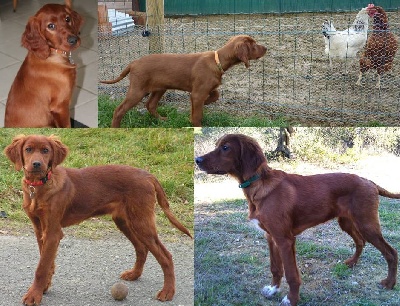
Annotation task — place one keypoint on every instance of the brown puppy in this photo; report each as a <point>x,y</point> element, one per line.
<point>283,205</point>
<point>56,197</point>
<point>198,73</point>
<point>41,93</point>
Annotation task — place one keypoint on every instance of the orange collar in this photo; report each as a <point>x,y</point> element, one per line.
<point>218,62</point>
<point>64,53</point>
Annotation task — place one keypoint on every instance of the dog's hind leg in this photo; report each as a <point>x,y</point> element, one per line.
<point>370,230</point>
<point>140,249</point>
<point>347,225</point>
<point>152,103</point>
<point>133,97</point>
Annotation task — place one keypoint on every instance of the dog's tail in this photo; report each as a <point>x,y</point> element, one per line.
<point>163,202</point>
<point>383,192</point>
<point>123,74</point>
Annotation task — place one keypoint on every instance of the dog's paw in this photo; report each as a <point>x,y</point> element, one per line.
<point>270,291</point>
<point>285,302</point>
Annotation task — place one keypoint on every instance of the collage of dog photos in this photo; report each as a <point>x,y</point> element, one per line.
<point>199,152</point>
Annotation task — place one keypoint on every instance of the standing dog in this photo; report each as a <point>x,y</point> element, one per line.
<point>198,73</point>
<point>40,95</point>
<point>283,205</point>
<point>57,197</point>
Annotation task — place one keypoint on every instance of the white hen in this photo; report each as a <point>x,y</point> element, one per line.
<point>345,44</point>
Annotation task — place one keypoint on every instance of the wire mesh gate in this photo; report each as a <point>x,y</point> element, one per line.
<point>293,80</point>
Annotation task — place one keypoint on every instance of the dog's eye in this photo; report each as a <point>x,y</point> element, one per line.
<point>28,149</point>
<point>225,148</point>
<point>45,151</point>
<point>68,19</point>
<point>51,26</point>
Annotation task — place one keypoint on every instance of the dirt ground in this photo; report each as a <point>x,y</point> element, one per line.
<point>86,270</point>
<point>293,80</point>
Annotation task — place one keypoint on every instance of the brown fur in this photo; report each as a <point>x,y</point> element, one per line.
<point>381,46</point>
<point>196,73</point>
<point>40,95</point>
<point>73,195</point>
<point>286,204</point>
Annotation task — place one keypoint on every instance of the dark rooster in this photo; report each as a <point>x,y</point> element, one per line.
<point>381,46</point>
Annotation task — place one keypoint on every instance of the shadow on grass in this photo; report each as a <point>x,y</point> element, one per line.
<point>232,261</point>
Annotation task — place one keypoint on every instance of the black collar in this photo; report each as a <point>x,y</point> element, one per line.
<point>247,183</point>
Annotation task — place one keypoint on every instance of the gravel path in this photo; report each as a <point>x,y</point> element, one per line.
<point>86,270</point>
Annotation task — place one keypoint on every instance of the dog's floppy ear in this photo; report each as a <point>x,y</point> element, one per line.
<point>242,53</point>
<point>60,151</point>
<point>33,39</point>
<point>14,151</point>
<point>76,19</point>
<point>251,156</point>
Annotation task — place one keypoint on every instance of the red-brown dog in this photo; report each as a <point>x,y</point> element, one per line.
<point>57,197</point>
<point>40,95</point>
<point>197,73</point>
<point>283,205</point>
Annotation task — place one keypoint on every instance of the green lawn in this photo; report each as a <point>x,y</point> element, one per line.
<point>166,153</point>
<point>135,118</point>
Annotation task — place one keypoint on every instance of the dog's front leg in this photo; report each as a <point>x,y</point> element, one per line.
<point>276,266</point>
<point>45,268</point>
<point>213,97</point>
<point>287,250</point>
<point>197,100</point>
<point>61,115</point>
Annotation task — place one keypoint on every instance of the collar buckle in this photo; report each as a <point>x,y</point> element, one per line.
<point>247,183</point>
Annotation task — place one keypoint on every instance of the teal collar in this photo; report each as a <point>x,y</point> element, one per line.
<point>247,183</point>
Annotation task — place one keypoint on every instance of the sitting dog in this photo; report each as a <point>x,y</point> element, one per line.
<point>40,95</point>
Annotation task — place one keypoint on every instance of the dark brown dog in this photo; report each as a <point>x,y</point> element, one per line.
<point>56,197</point>
<point>283,205</point>
<point>40,95</point>
<point>198,73</point>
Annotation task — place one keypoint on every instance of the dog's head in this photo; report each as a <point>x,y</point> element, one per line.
<point>235,154</point>
<point>246,49</point>
<point>36,154</point>
<point>53,26</point>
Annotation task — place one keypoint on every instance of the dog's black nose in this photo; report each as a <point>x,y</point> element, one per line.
<point>36,164</point>
<point>72,40</point>
<point>199,160</point>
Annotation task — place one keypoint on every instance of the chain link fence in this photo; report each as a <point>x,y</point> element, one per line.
<point>293,80</point>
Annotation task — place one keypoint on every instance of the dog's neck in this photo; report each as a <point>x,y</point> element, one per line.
<point>217,61</point>
<point>67,55</point>
<point>35,183</point>
<point>39,182</point>
<point>248,182</point>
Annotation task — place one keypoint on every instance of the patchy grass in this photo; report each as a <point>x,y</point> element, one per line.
<point>154,150</point>
<point>142,118</point>
<point>232,260</point>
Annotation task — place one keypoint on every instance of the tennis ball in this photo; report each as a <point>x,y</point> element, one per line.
<point>119,291</point>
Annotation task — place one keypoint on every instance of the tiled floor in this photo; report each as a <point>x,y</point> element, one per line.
<point>12,25</point>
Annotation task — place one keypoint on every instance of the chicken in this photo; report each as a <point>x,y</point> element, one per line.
<point>381,46</point>
<point>345,44</point>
